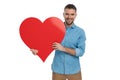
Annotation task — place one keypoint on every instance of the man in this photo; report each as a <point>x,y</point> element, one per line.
<point>66,63</point>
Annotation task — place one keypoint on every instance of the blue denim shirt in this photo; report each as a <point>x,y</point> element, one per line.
<point>64,63</point>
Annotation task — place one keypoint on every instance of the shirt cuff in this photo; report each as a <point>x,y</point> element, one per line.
<point>77,50</point>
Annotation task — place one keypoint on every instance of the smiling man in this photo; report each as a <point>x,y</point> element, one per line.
<point>66,63</point>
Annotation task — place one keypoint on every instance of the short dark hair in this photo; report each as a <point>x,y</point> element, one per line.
<point>70,6</point>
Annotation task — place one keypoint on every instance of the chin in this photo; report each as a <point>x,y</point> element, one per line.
<point>69,23</point>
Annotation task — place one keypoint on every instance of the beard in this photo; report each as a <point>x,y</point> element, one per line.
<point>68,23</point>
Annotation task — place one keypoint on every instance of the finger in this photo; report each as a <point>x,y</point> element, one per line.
<point>55,47</point>
<point>55,43</point>
<point>33,53</point>
<point>36,51</point>
<point>32,49</point>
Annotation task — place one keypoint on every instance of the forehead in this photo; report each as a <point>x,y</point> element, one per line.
<point>67,10</point>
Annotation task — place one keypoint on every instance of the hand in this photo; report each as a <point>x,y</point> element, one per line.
<point>34,51</point>
<point>58,46</point>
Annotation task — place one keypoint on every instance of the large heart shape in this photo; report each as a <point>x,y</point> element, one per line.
<point>41,36</point>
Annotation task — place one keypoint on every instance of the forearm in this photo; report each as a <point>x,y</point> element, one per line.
<point>58,46</point>
<point>69,51</point>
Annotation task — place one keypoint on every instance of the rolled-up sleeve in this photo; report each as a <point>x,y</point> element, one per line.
<point>80,49</point>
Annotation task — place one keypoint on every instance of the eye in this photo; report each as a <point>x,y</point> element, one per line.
<point>66,14</point>
<point>72,14</point>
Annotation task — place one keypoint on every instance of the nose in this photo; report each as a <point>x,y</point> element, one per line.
<point>69,16</point>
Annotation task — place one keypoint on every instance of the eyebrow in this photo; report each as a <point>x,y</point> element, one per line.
<point>70,14</point>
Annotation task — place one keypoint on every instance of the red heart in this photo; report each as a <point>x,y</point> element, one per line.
<point>41,36</point>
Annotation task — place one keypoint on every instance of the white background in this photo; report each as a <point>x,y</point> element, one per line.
<point>99,18</point>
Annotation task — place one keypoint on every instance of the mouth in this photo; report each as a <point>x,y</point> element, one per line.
<point>69,21</point>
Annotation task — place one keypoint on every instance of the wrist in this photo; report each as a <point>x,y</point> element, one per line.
<point>64,49</point>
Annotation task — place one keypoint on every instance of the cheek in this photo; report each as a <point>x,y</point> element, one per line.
<point>65,16</point>
<point>73,16</point>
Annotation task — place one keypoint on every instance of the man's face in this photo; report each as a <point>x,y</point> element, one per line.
<point>69,15</point>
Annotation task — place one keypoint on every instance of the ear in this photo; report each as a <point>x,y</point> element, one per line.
<point>63,14</point>
<point>75,15</point>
